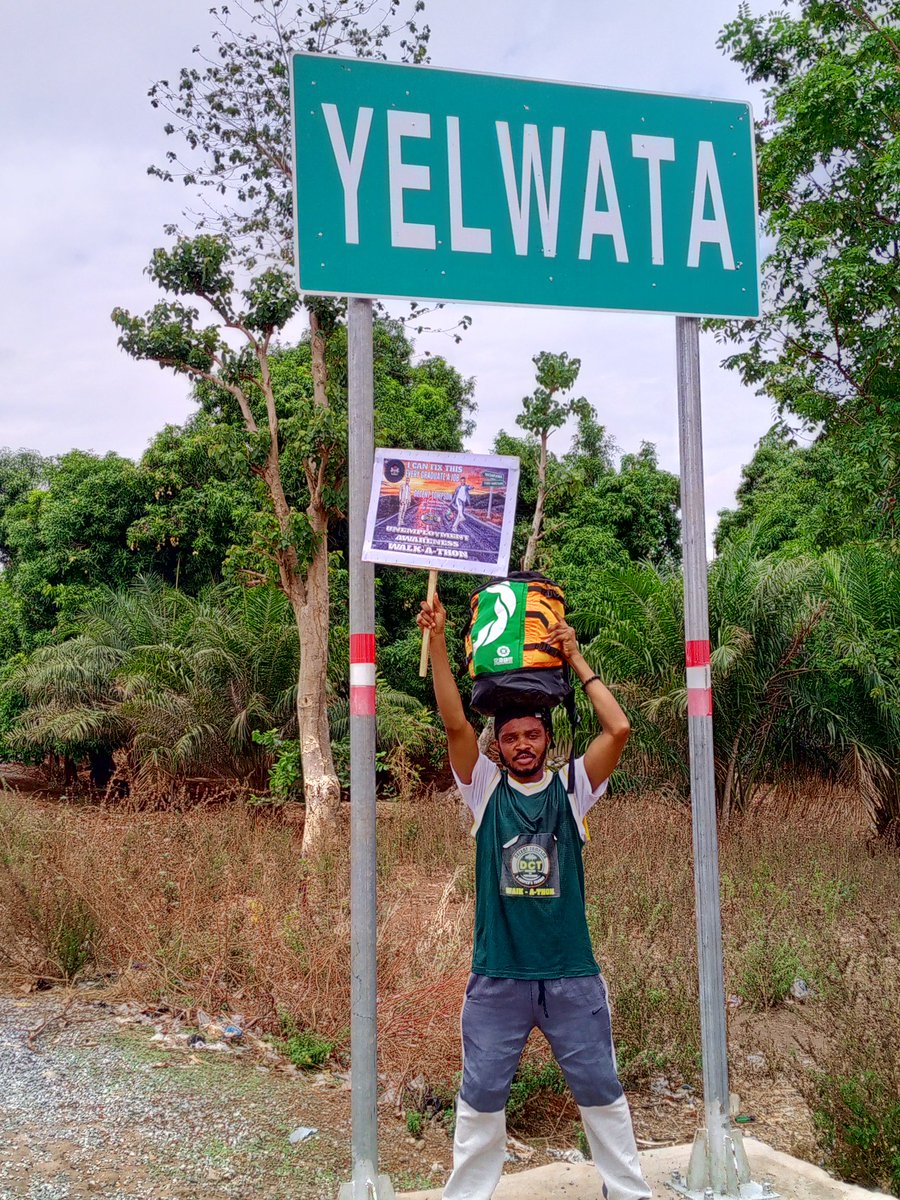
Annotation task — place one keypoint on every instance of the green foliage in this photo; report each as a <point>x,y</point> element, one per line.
<point>96,523</point>
<point>543,411</point>
<point>21,472</point>
<point>286,772</point>
<point>859,650</point>
<point>591,454</point>
<point>827,350</point>
<point>201,502</point>
<point>398,595</point>
<point>182,682</point>
<point>768,964</point>
<point>303,1047</point>
<point>529,1080</point>
<point>66,541</point>
<point>626,515</point>
<point>794,498</point>
<point>414,1123</point>
<point>595,515</point>
<point>407,740</point>
<point>12,703</point>
<point>857,1120</point>
<point>804,660</point>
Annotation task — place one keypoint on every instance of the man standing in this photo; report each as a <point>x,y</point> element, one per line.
<point>460,500</point>
<point>405,500</point>
<point>532,963</point>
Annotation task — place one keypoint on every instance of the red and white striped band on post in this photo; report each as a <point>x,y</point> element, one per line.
<point>699,681</point>
<point>362,674</point>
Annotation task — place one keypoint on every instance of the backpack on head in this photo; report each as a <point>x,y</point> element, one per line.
<point>509,660</point>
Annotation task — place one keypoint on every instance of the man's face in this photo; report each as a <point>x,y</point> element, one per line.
<point>523,745</point>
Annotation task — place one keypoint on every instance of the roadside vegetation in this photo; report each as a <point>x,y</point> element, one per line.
<point>209,908</point>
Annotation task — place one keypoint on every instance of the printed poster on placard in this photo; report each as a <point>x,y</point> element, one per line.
<point>438,511</point>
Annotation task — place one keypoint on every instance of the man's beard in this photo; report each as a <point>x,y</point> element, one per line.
<point>515,771</point>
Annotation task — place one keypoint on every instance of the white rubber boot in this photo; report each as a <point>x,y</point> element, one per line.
<point>611,1138</point>
<point>479,1146</point>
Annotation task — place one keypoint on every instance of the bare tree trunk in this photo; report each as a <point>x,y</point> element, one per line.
<point>486,736</point>
<point>729,781</point>
<point>535,535</point>
<point>317,346</point>
<point>321,789</point>
<point>309,600</point>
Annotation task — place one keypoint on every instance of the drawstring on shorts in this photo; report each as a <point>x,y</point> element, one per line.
<point>542,997</point>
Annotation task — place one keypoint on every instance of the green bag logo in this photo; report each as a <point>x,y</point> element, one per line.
<point>503,619</point>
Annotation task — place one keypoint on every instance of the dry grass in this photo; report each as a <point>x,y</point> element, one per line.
<point>213,907</point>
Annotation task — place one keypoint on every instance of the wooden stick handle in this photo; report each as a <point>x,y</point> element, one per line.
<point>426,633</point>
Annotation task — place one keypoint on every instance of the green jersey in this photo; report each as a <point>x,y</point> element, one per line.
<point>529,886</point>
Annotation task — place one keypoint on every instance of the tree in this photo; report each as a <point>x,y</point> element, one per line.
<point>232,111</point>
<point>827,349</point>
<point>179,682</point>
<point>590,457</point>
<point>201,502</point>
<point>804,654</point>
<point>796,497</point>
<point>542,412</point>
<point>861,647</point>
<point>638,505</point>
<point>66,539</point>
<point>629,514</point>
<point>172,335</point>
<point>266,429</point>
<point>21,471</point>
<point>233,114</point>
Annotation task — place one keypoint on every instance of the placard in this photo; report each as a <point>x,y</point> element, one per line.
<point>442,512</point>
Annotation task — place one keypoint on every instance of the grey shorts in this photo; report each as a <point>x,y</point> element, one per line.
<point>573,1015</point>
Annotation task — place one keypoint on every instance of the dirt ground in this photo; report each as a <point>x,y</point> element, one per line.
<point>102,1098</point>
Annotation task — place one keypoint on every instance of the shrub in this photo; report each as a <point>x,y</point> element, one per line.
<point>853,1090</point>
<point>285,774</point>
<point>530,1079</point>
<point>71,940</point>
<point>857,1118</point>
<point>303,1047</point>
<point>768,965</point>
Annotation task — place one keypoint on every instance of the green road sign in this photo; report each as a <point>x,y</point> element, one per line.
<point>428,184</point>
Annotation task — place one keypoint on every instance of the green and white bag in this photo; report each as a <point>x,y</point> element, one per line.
<point>508,657</point>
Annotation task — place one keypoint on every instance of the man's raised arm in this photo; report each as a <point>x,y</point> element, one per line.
<point>462,744</point>
<point>602,756</point>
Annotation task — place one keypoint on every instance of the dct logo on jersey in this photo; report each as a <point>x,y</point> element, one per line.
<point>530,865</point>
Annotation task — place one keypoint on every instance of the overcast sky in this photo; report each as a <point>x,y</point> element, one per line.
<point>81,216</point>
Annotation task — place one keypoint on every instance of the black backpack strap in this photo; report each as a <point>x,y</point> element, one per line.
<point>574,721</point>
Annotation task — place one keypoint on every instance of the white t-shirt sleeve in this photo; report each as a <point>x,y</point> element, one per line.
<point>584,797</point>
<point>477,793</point>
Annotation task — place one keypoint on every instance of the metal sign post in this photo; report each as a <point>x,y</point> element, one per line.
<point>366,1183</point>
<point>718,1161</point>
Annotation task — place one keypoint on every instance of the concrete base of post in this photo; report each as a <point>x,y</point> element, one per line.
<point>366,1186</point>
<point>719,1170</point>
